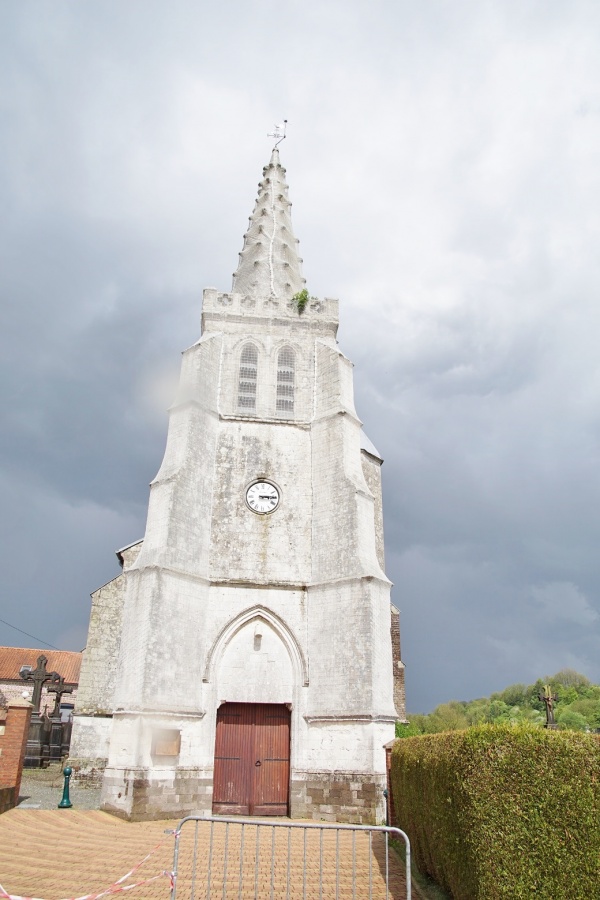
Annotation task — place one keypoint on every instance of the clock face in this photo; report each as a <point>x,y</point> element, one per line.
<point>262,497</point>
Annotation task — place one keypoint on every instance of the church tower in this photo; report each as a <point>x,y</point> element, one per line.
<point>252,625</point>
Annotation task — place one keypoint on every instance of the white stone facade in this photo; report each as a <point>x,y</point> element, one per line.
<point>225,605</point>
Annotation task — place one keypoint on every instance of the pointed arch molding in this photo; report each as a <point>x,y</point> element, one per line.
<point>280,628</point>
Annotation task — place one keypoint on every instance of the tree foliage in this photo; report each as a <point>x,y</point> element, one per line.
<point>577,707</point>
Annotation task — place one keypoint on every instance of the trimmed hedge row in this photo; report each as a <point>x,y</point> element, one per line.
<point>499,811</point>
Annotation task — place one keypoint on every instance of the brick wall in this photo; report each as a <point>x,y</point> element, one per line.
<point>14,726</point>
<point>13,690</point>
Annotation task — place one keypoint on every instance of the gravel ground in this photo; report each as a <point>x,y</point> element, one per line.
<point>43,789</point>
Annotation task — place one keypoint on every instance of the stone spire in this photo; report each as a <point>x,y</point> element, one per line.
<point>269,264</point>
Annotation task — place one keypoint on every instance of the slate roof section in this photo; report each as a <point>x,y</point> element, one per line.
<point>124,549</point>
<point>66,662</point>
<point>369,447</point>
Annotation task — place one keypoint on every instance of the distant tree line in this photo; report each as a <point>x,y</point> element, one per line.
<point>577,707</point>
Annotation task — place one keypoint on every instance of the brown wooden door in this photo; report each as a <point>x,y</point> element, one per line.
<point>272,751</point>
<point>252,759</point>
<point>233,748</point>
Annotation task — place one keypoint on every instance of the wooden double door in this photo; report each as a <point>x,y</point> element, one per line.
<point>252,759</point>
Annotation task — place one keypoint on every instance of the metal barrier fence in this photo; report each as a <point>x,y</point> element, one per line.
<point>250,858</point>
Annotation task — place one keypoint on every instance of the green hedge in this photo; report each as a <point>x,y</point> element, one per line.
<point>502,811</point>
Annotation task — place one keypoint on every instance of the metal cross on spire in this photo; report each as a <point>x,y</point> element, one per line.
<point>279,133</point>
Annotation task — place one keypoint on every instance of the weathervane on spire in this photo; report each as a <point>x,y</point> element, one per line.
<point>279,133</point>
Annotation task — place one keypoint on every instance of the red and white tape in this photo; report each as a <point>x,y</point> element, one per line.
<point>113,889</point>
<point>117,887</point>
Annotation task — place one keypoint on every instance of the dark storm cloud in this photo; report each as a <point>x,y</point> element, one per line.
<point>442,162</point>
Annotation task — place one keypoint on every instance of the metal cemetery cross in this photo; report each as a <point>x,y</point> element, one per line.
<point>59,688</point>
<point>39,676</point>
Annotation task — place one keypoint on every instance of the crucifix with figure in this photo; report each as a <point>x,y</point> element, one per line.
<point>549,699</point>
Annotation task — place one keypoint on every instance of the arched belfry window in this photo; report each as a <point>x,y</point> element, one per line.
<point>247,379</point>
<point>286,374</point>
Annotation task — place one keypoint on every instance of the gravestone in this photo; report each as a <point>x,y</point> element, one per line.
<point>37,752</point>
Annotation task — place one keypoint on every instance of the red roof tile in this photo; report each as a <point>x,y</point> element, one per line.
<point>66,662</point>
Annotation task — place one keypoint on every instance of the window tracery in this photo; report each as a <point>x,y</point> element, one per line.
<point>286,377</point>
<point>247,379</point>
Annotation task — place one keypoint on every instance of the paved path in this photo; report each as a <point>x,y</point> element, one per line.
<point>62,853</point>
<point>43,788</point>
<point>55,854</point>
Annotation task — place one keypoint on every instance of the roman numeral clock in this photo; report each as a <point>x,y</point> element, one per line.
<point>262,497</point>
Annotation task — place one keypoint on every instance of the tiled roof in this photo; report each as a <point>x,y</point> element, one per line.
<point>66,662</point>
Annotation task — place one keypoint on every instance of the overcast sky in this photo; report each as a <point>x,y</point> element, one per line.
<point>444,165</point>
